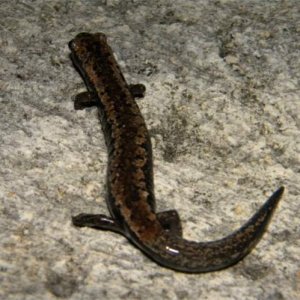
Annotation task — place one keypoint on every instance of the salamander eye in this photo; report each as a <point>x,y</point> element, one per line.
<point>101,37</point>
<point>72,45</point>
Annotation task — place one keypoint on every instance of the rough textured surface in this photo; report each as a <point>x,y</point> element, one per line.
<point>222,106</point>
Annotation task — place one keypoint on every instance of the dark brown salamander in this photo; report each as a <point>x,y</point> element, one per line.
<point>130,196</point>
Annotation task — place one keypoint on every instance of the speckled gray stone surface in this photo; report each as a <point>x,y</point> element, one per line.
<point>222,107</point>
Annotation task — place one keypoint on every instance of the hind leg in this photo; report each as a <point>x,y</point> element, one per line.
<point>170,221</point>
<point>100,222</point>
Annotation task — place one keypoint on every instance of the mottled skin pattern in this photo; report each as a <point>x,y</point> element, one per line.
<point>129,174</point>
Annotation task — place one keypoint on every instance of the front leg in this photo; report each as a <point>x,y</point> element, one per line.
<point>84,100</point>
<point>89,99</point>
<point>137,90</point>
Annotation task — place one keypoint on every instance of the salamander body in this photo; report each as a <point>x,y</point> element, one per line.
<point>130,195</point>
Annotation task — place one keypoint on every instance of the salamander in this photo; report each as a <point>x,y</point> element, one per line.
<point>130,189</point>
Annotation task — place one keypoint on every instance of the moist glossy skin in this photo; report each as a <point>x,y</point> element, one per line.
<point>130,195</point>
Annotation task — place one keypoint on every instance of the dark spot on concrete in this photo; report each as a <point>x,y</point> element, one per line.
<point>60,285</point>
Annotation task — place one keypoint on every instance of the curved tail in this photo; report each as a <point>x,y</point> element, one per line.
<point>192,257</point>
